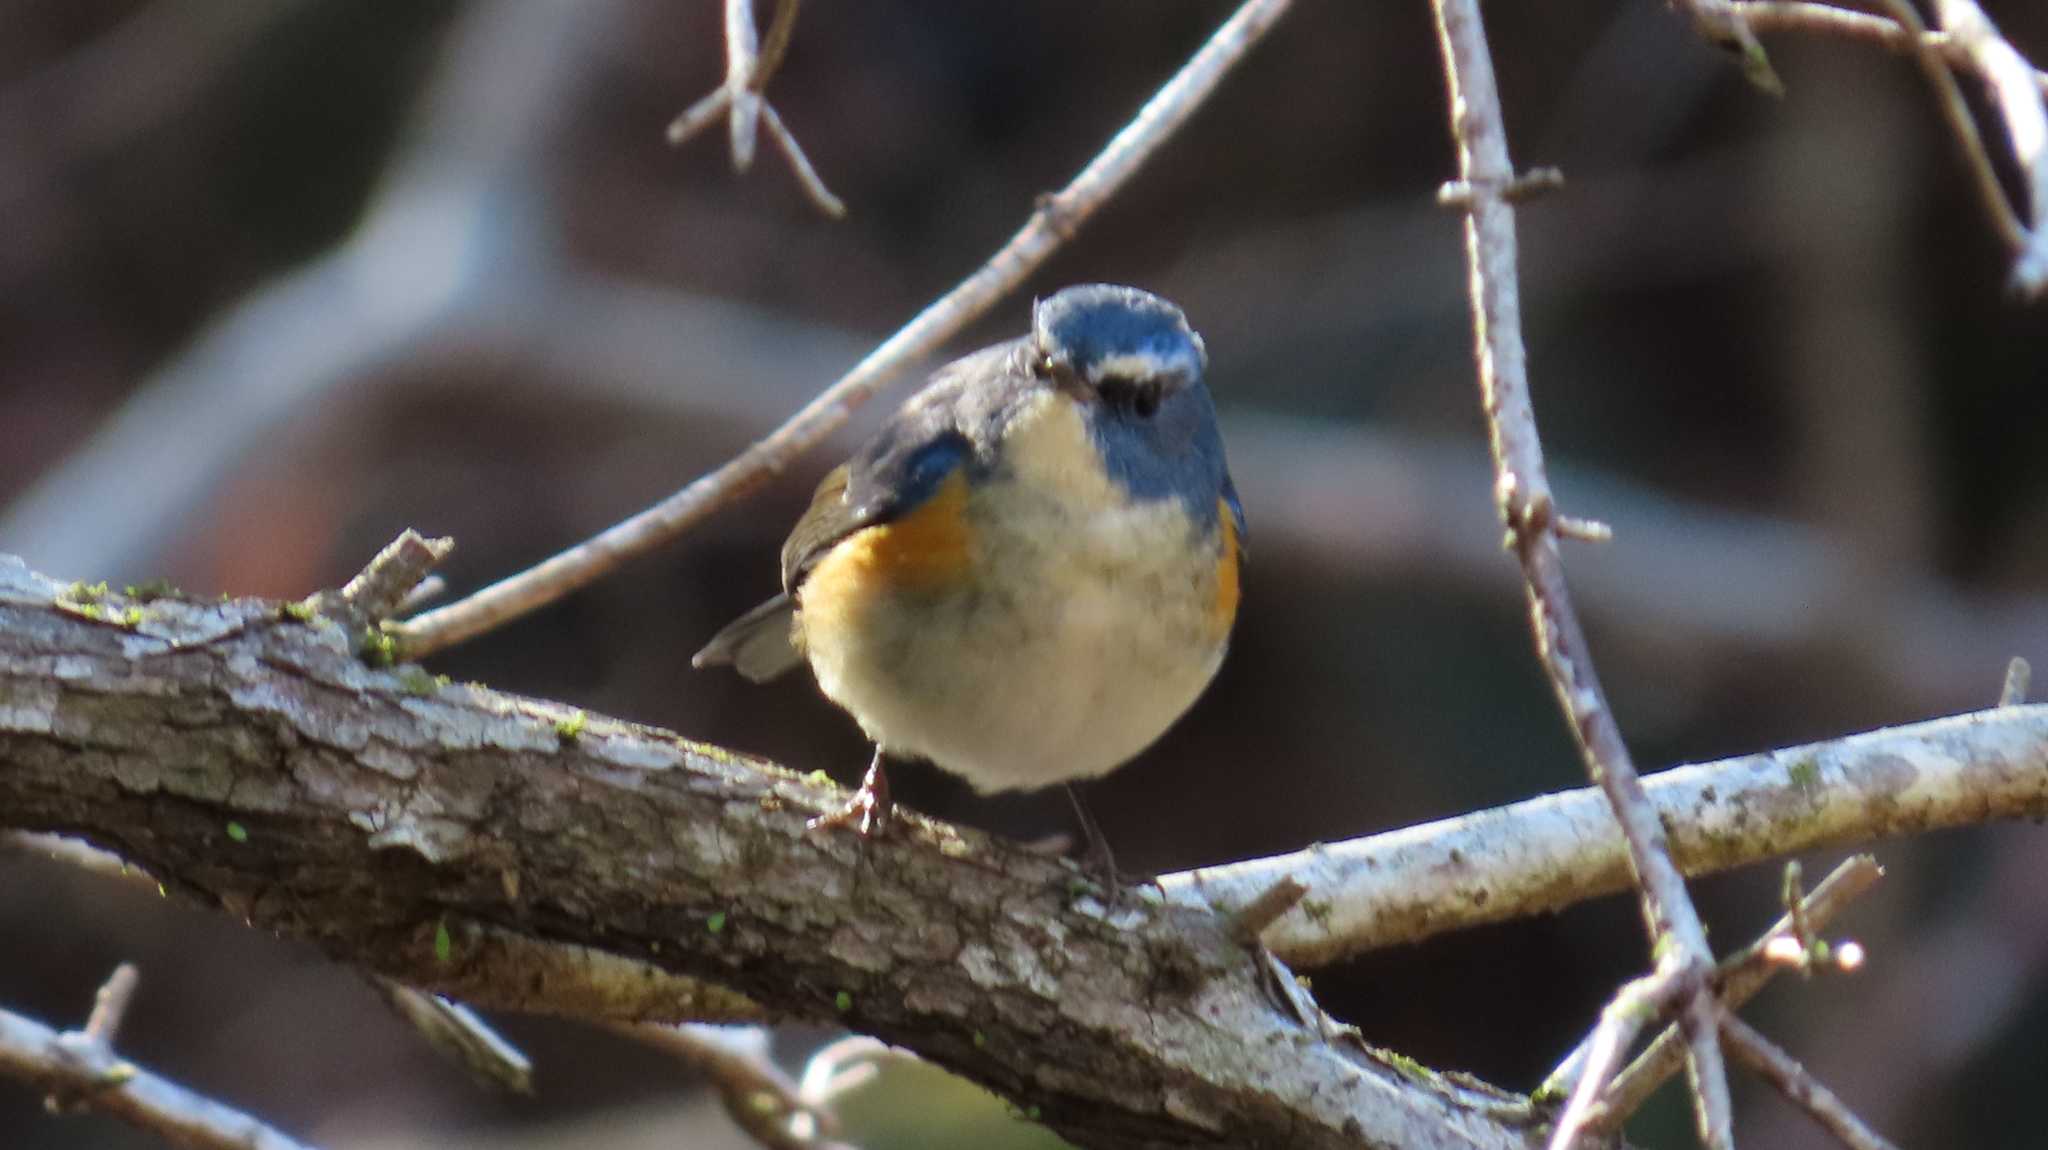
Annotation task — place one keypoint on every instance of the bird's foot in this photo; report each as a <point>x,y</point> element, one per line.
<point>1101,864</point>
<point>870,810</point>
<point>1101,861</point>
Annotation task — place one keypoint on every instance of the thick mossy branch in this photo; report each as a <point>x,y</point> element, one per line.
<point>453,838</point>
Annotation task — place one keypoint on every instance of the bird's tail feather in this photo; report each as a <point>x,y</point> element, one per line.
<point>760,644</point>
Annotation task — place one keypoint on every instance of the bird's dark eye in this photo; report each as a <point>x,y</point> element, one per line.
<point>1057,371</point>
<point>1126,394</point>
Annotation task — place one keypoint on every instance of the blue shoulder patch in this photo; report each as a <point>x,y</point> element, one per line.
<point>923,469</point>
<point>891,477</point>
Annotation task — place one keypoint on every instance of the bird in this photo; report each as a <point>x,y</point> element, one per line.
<point>1031,570</point>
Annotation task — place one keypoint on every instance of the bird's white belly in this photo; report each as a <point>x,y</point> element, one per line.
<point>1080,642</point>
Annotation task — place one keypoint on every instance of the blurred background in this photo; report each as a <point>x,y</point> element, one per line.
<point>279,279</point>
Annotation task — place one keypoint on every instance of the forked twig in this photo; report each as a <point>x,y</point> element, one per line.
<point>2018,98</point>
<point>750,61</point>
<point>1956,110</point>
<point>80,1070</point>
<point>1738,980</point>
<point>1968,41</point>
<point>1807,16</point>
<point>761,1100</point>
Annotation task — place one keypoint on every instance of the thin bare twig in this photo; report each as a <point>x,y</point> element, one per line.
<point>813,184</point>
<point>1598,1057</point>
<point>1647,999</point>
<point>2019,675</point>
<point>2017,96</point>
<point>1969,41</point>
<point>1738,980</point>
<point>1530,185</point>
<point>1794,896</point>
<point>110,1004</point>
<point>776,43</point>
<point>1252,919</point>
<point>1055,221</point>
<point>390,578</point>
<point>1522,492</point>
<point>428,590</point>
<point>1727,28</point>
<point>1949,95</point>
<point>1827,20</point>
<point>80,1069</point>
<point>1792,1080</point>
<point>454,1030</point>
<point>742,59</point>
<point>844,1065</point>
<point>749,63</point>
<point>1585,530</point>
<point>700,115</point>
<point>840,1067</point>
<point>761,1100</point>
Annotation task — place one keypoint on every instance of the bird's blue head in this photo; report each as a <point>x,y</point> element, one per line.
<point>1135,366</point>
<point>1126,345</point>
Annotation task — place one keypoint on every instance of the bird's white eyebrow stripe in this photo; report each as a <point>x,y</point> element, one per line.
<point>1133,365</point>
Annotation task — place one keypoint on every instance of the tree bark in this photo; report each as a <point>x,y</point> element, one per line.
<point>520,855</point>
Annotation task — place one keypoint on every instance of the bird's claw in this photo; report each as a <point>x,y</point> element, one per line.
<point>869,812</point>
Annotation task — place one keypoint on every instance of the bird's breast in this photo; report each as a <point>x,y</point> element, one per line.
<point>1033,625</point>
